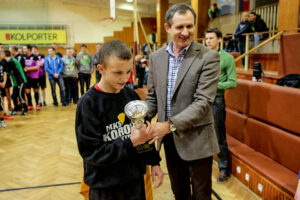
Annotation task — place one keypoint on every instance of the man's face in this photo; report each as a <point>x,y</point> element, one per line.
<point>51,52</point>
<point>182,29</point>
<point>34,51</point>
<point>26,50</point>
<point>116,73</point>
<point>69,52</point>
<point>83,49</point>
<point>1,47</point>
<point>98,47</point>
<point>252,17</point>
<point>212,41</point>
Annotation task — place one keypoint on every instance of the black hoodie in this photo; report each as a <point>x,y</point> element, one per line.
<point>103,132</point>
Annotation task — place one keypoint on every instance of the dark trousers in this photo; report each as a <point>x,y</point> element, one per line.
<point>241,45</point>
<point>84,79</point>
<point>219,118</point>
<point>61,85</point>
<point>71,85</point>
<point>141,81</point>
<point>19,94</point>
<point>130,191</point>
<point>184,173</point>
<point>98,76</point>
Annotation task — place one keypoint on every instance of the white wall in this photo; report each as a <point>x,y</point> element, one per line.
<point>82,20</point>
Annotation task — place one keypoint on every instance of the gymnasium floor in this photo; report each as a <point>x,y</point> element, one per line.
<point>39,160</point>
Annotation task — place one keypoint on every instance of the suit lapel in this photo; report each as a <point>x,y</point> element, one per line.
<point>163,74</point>
<point>186,64</point>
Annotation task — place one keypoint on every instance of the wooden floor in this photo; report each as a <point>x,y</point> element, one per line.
<point>40,150</point>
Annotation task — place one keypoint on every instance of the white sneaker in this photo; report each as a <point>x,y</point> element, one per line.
<point>3,124</point>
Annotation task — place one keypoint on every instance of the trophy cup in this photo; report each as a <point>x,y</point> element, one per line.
<point>137,111</point>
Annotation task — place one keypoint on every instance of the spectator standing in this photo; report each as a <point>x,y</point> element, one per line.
<point>243,27</point>
<point>70,76</point>
<point>257,25</point>
<point>86,68</point>
<point>95,62</point>
<point>54,67</point>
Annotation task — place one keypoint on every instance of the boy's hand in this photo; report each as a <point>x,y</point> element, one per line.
<point>2,85</point>
<point>140,136</point>
<point>55,75</point>
<point>157,172</point>
<point>25,69</point>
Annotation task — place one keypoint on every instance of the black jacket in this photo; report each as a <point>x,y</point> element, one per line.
<point>103,132</point>
<point>260,25</point>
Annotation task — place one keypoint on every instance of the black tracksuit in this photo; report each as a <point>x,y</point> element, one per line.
<point>110,160</point>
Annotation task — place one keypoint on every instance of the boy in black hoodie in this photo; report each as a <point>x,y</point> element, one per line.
<point>106,139</point>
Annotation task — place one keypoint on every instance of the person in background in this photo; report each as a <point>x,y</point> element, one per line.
<point>32,71</point>
<point>140,70</point>
<point>16,53</point>
<point>227,80</point>
<point>85,62</point>
<point>19,79</point>
<point>257,25</point>
<point>70,76</point>
<point>42,74</point>
<point>54,67</point>
<point>95,62</point>
<point>297,194</point>
<point>2,85</point>
<point>54,45</point>
<point>1,46</point>
<point>243,27</point>
<point>214,11</point>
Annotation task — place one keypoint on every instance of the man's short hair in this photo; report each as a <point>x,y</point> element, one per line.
<point>28,46</point>
<point>216,31</point>
<point>52,48</point>
<point>7,53</point>
<point>114,48</point>
<point>181,8</point>
<point>83,45</point>
<point>34,46</point>
<point>253,13</point>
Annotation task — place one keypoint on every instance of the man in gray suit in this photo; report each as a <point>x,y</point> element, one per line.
<point>183,78</point>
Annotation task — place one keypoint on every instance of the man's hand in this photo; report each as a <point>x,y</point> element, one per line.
<point>141,135</point>
<point>55,75</point>
<point>157,172</point>
<point>77,76</point>
<point>2,85</point>
<point>25,69</point>
<point>159,130</point>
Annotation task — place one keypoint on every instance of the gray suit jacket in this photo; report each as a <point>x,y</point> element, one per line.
<point>194,93</point>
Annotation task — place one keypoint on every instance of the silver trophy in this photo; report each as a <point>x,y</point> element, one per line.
<point>137,111</point>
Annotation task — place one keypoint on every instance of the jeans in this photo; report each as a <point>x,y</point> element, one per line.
<point>241,45</point>
<point>61,85</point>
<point>71,84</point>
<point>184,174</point>
<point>257,38</point>
<point>84,79</point>
<point>219,118</point>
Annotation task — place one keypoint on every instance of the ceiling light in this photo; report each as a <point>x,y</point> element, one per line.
<point>129,1</point>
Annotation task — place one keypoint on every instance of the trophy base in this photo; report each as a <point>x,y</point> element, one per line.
<point>142,148</point>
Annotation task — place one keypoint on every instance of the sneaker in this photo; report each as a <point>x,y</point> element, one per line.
<point>65,104</point>
<point>37,107</point>
<point>3,124</point>
<point>7,117</point>
<point>222,178</point>
<point>24,112</point>
<point>40,104</point>
<point>55,104</point>
<point>14,112</point>
<point>30,107</point>
<point>44,104</point>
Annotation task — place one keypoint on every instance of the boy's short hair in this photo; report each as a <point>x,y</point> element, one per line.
<point>83,45</point>
<point>34,46</point>
<point>216,31</point>
<point>114,48</point>
<point>252,13</point>
<point>7,53</point>
<point>52,48</point>
<point>15,48</point>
